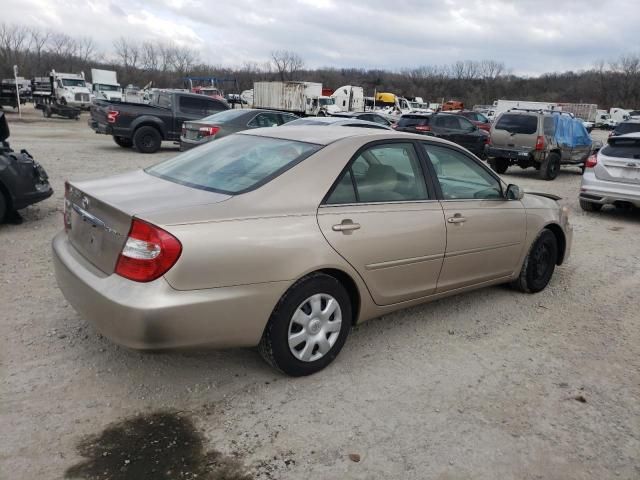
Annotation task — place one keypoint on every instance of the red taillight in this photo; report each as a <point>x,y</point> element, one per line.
<point>208,131</point>
<point>112,115</point>
<point>66,214</point>
<point>423,128</point>
<point>148,253</point>
<point>540,143</point>
<point>592,161</point>
<point>487,140</point>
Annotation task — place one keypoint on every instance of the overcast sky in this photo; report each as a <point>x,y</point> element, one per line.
<point>529,36</point>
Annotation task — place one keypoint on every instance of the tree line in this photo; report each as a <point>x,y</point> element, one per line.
<point>609,83</point>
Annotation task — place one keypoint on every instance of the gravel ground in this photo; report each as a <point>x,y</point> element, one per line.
<point>492,384</point>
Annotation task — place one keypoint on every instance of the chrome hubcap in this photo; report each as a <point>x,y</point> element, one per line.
<point>314,327</point>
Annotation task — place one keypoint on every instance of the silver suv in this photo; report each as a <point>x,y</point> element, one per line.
<point>540,139</point>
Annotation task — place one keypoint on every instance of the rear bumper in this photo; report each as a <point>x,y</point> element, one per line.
<point>186,144</point>
<point>99,127</point>
<point>41,191</point>
<point>154,315</point>
<point>607,193</point>
<point>514,155</point>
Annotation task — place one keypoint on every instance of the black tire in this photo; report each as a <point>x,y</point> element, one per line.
<point>274,345</point>
<point>48,111</point>
<point>147,139</point>
<point>539,264</point>
<point>498,165</point>
<point>3,207</point>
<point>550,167</point>
<point>123,142</point>
<point>588,206</point>
<point>63,101</point>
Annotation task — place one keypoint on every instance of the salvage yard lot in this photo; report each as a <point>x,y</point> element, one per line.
<point>491,384</point>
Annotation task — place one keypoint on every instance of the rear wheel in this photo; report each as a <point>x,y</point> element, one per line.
<point>539,264</point>
<point>147,139</point>
<point>308,327</point>
<point>123,142</point>
<point>499,165</point>
<point>588,206</point>
<point>550,167</point>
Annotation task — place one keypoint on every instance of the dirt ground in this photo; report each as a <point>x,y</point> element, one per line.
<point>492,384</point>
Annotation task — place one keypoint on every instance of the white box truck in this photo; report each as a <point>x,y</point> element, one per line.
<point>301,98</point>
<point>71,89</point>
<point>105,85</point>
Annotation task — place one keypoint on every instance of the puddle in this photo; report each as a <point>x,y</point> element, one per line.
<point>158,446</point>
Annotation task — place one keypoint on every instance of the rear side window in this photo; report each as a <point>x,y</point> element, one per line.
<point>622,148</point>
<point>549,126</point>
<point>234,164</point>
<point>382,173</point>
<point>627,128</point>
<point>513,123</point>
<point>412,121</point>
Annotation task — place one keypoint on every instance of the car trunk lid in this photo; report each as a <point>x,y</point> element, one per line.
<point>619,161</point>
<point>99,212</point>
<point>198,131</point>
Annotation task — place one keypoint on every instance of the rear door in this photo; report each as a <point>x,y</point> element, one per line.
<point>485,232</point>
<point>619,161</point>
<point>382,219</point>
<point>441,125</point>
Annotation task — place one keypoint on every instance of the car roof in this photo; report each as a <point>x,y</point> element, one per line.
<point>628,135</point>
<point>326,121</point>
<point>633,120</point>
<point>326,135</point>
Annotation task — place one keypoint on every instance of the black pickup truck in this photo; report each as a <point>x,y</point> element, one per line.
<point>145,126</point>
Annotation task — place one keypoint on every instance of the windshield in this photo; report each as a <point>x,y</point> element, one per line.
<point>513,123</point>
<point>107,88</point>
<point>72,82</point>
<point>327,101</point>
<point>225,116</point>
<point>234,164</point>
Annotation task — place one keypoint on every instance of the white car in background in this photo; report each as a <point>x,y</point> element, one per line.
<point>612,176</point>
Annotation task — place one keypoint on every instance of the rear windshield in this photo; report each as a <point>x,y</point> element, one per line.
<point>412,120</point>
<point>225,116</point>
<point>512,123</point>
<point>622,148</point>
<point>234,164</point>
<point>627,128</point>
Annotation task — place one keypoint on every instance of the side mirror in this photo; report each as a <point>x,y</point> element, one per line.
<point>514,192</point>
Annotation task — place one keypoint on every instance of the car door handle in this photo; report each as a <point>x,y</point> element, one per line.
<point>346,226</point>
<point>457,218</point>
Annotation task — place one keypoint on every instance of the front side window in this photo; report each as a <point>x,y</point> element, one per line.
<point>460,177</point>
<point>234,164</point>
<point>164,100</point>
<point>382,173</point>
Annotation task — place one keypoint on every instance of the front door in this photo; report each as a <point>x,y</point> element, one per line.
<point>485,232</point>
<point>381,218</point>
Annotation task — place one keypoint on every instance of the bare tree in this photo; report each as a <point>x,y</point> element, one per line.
<point>127,52</point>
<point>287,64</point>
<point>86,49</point>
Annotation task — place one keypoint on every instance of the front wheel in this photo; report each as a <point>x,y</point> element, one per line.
<point>308,327</point>
<point>539,264</point>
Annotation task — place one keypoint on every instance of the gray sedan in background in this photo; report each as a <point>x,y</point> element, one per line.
<point>612,176</point>
<point>225,123</point>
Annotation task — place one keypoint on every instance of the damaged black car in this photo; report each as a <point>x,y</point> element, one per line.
<point>23,181</point>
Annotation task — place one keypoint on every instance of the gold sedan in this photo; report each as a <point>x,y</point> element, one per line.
<point>285,238</point>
